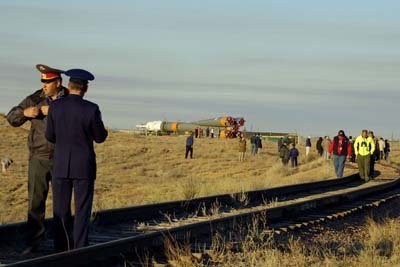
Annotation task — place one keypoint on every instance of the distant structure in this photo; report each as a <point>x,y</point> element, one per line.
<point>287,138</point>
<point>228,127</point>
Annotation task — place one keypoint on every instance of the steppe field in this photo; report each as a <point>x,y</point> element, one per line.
<point>135,169</point>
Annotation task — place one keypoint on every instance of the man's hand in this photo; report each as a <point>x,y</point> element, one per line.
<point>45,110</point>
<point>31,112</point>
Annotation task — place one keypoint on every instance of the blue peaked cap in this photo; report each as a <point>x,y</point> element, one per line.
<point>79,75</point>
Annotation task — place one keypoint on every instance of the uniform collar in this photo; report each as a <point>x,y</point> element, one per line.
<point>62,93</point>
<point>75,95</point>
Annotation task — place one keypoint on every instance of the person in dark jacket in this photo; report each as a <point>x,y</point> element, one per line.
<point>189,146</point>
<point>280,142</point>
<point>284,154</point>
<point>353,155</point>
<point>34,108</point>
<point>387,149</point>
<point>340,148</point>
<point>375,155</point>
<point>73,124</point>
<point>294,153</point>
<point>253,143</point>
<point>308,145</point>
<point>319,147</point>
<point>259,142</point>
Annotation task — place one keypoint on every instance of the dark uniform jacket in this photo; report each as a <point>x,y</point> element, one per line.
<point>73,124</point>
<point>284,152</point>
<point>39,147</point>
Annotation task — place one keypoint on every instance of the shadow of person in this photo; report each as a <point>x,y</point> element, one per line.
<point>375,174</point>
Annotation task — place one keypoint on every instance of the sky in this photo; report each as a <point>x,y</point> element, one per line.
<point>309,66</point>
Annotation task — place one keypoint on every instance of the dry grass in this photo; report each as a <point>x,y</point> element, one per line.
<point>380,247</point>
<point>134,169</point>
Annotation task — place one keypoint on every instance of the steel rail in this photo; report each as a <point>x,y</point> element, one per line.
<point>109,253</point>
<point>16,231</point>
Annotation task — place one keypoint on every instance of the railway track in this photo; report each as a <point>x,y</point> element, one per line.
<point>124,234</point>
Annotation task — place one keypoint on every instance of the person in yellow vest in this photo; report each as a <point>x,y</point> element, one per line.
<point>364,147</point>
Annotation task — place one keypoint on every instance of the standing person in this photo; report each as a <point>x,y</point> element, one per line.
<point>208,132</point>
<point>381,143</point>
<point>340,148</point>
<point>284,154</point>
<point>374,153</point>
<point>353,155</point>
<point>253,140</point>
<point>34,108</point>
<point>259,142</point>
<point>280,142</point>
<point>363,148</point>
<point>325,145</point>
<point>189,145</point>
<point>294,153</point>
<point>212,132</point>
<point>242,147</point>
<point>354,149</point>
<point>308,145</point>
<point>319,147</point>
<point>196,132</point>
<point>387,149</point>
<point>73,124</point>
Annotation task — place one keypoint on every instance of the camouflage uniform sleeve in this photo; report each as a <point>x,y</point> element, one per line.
<point>16,115</point>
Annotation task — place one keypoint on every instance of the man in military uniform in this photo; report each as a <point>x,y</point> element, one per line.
<point>73,124</point>
<point>34,108</point>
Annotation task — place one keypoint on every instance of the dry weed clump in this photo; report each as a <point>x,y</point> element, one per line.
<point>312,164</point>
<point>381,247</point>
<point>306,159</point>
<point>191,188</point>
<point>179,253</point>
<point>278,171</point>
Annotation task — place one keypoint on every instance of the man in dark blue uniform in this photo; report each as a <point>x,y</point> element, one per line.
<point>73,124</point>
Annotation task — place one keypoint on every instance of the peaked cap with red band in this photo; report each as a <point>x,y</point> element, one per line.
<point>48,73</point>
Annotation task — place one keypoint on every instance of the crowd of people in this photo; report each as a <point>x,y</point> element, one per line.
<point>208,132</point>
<point>366,149</point>
<point>255,143</point>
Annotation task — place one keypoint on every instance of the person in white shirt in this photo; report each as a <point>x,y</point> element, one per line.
<point>381,143</point>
